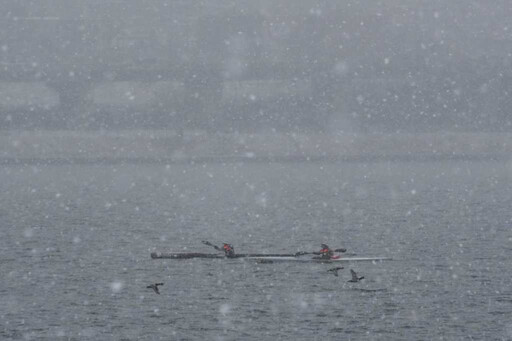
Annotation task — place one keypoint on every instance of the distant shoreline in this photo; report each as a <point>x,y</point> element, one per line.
<point>167,147</point>
<point>228,160</point>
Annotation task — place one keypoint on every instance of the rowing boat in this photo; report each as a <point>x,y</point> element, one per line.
<point>264,257</point>
<point>188,255</point>
<point>320,260</point>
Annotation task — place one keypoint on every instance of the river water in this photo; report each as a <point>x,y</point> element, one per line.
<point>76,241</point>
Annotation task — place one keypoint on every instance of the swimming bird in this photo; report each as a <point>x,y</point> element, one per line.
<point>335,270</point>
<point>155,287</point>
<point>354,277</point>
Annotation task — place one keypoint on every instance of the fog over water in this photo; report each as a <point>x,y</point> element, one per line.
<point>139,126</point>
<point>244,65</point>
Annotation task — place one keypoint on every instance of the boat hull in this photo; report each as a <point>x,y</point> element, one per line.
<point>188,255</point>
<point>267,258</point>
<point>319,260</point>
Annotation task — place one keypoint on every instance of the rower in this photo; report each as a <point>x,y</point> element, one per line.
<point>229,250</point>
<point>325,252</point>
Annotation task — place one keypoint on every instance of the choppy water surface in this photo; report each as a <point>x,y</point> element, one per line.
<point>75,245</point>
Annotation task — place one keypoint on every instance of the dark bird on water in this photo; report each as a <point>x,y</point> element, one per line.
<point>354,277</point>
<point>155,287</point>
<point>335,270</point>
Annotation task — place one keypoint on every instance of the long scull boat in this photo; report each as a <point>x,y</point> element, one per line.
<point>188,255</point>
<point>320,260</point>
<point>263,257</point>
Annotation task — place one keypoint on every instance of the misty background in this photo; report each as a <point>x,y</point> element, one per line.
<point>136,126</point>
<point>299,67</point>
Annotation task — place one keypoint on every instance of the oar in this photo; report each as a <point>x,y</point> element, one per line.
<point>205,242</point>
